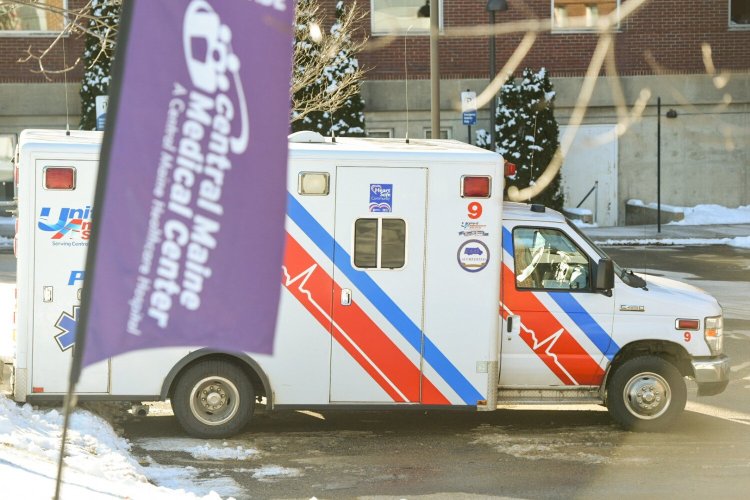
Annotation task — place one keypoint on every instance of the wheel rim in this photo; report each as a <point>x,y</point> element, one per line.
<point>214,400</point>
<point>647,395</point>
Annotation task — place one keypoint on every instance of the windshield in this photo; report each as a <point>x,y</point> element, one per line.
<point>625,275</point>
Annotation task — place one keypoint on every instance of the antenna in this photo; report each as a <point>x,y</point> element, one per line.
<point>406,83</point>
<point>65,86</point>
<point>333,133</point>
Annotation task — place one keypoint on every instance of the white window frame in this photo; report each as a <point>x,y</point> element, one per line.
<point>577,29</point>
<point>732,25</point>
<point>36,33</point>
<point>404,30</point>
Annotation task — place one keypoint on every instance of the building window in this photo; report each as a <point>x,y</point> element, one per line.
<point>380,133</point>
<point>45,17</point>
<point>739,13</point>
<point>400,16</point>
<point>580,14</point>
<point>380,243</point>
<point>445,133</point>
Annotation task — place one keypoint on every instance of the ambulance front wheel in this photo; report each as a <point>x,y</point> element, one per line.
<point>646,393</point>
<point>213,399</point>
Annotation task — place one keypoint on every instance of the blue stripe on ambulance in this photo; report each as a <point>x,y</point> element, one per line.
<point>507,241</point>
<point>586,323</point>
<point>382,302</point>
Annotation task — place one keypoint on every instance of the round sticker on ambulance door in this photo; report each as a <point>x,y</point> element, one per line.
<point>473,256</point>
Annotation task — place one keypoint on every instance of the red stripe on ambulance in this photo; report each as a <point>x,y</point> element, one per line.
<point>544,334</point>
<point>354,330</point>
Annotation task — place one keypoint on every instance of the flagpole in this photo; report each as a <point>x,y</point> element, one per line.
<point>68,405</point>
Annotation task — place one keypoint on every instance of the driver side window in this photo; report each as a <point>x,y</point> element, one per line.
<point>546,259</point>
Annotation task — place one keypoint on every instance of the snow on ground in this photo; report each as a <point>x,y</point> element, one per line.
<point>739,242</point>
<point>98,463</point>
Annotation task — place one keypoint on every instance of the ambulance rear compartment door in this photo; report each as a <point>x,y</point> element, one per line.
<point>62,232</point>
<point>378,296</point>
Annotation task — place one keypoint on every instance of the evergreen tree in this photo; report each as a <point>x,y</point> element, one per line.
<point>97,61</point>
<point>349,118</point>
<point>527,132</point>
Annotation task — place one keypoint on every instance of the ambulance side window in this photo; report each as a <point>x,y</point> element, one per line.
<point>546,259</point>
<point>379,243</point>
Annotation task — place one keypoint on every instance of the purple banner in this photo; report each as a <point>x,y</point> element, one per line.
<point>189,211</point>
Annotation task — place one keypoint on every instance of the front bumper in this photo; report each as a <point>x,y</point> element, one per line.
<point>711,374</point>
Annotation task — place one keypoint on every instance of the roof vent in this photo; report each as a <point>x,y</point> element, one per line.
<point>306,136</point>
<point>536,207</point>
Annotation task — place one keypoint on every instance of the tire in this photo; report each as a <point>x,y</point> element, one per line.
<point>213,399</point>
<point>646,393</point>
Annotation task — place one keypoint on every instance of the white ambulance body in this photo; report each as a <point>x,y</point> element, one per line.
<point>407,283</point>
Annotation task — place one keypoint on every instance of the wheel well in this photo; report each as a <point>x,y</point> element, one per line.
<point>256,376</point>
<point>674,353</point>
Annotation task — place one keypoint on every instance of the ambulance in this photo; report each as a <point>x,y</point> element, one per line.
<point>407,283</point>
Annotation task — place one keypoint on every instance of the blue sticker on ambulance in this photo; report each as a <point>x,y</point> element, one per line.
<point>381,197</point>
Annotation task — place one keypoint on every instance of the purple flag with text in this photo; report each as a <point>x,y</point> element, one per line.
<point>188,229</point>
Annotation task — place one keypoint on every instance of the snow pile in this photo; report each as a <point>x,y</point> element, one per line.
<point>701,215</point>
<point>739,242</point>
<point>714,214</point>
<point>274,471</point>
<point>97,462</point>
<point>654,206</point>
<point>206,451</point>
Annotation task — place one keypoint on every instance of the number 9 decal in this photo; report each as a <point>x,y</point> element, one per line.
<point>475,210</point>
<point>688,336</point>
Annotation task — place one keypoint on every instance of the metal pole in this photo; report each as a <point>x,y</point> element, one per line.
<point>435,68</point>
<point>658,164</point>
<point>493,107</point>
<point>596,200</point>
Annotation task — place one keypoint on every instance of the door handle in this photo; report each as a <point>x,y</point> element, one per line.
<point>512,326</point>
<point>346,297</point>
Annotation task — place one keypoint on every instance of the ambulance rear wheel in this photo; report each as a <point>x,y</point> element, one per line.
<point>213,399</point>
<point>646,393</point>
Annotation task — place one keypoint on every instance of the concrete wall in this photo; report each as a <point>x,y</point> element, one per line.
<point>38,105</point>
<point>705,150</point>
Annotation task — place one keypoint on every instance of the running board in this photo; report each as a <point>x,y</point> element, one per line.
<point>547,395</point>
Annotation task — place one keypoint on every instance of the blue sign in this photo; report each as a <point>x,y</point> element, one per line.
<point>470,117</point>
<point>381,197</point>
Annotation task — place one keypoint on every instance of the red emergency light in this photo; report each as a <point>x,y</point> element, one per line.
<point>688,324</point>
<point>60,178</point>
<point>475,186</point>
<point>510,169</point>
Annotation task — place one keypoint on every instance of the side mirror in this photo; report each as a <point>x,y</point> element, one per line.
<point>605,275</point>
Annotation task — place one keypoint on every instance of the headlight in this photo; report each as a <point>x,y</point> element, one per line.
<point>714,334</point>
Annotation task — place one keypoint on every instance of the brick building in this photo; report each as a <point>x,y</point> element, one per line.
<point>693,54</point>
<point>29,98</point>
